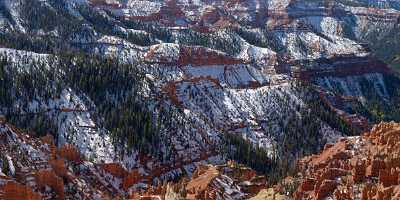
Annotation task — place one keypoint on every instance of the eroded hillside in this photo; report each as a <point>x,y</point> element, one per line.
<point>157,88</point>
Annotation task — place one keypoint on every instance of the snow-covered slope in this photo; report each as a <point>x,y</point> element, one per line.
<point>162,86</point>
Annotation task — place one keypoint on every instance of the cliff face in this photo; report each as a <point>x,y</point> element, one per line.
<point>363,167</point>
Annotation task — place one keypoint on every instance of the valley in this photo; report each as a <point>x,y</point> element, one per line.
<point>180,97</point>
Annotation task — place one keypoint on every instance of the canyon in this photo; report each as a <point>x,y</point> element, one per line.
<point>116,98</point>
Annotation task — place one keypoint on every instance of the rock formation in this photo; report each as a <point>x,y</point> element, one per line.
<point>15,191</point>
<point>347,169</point>
<point>230,181</point>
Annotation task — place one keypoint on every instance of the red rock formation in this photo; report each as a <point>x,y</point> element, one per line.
<point>359,171</point>
<point>189,55</point>
<point>199,56</point>
<point>211,16</point>
<point>203,178</point>
<point>48,139</point>
<point>115,169</point>
<point>70,153</point>
<point>49,178</point>
<point>352,161</point>
<point>170,90</point>
<point>332,173</point>
<point>374,168</point>
<point>342,70</point>
<point>327,187</point>
<point>343,194</point>
<point>59,167</point>
<point>132,178</point>
<point>207,182</point>
<point>388,177</point>
<point>336,152</point>
<point>45,167</point>
<point>308,184</point>
<point>15,191</point>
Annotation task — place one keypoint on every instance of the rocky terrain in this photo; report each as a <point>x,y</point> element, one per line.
<point>361,167</point>
<point>149,91</point>
<point>358,167</point>
<point>229,181</point>
<point>34,168</point>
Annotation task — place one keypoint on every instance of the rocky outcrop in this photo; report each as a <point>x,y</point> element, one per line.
<point>15,191</point>
<point>343,170</point>
<point>59,167</point>
<point>389,177</point>
<point>230,181</point>
<point>269,194</point>
<point>327,188</point>
<point>132,178</point>
<point>41,171</point>
<point>308,184</point>
<point>49,178</point>
<point>181,55</point>
<point>70,153</point>
<point>199,56</point>
<point>359,171</point>
<point>114,169</point>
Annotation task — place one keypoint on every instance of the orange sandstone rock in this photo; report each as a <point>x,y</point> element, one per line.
<point>327,187</point>
<point>308,184</point>
<point>359,171</point>
<point>343,194</point>
<point>70,153</point>
<point>15,191</point>
<point>115,169</point>
<point>49,178</point>
<point>132,178</point>
<point>59,167</point>
<point>388,177</point>
<point>374,168</point>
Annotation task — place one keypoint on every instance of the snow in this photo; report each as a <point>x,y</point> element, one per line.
<point>351,86</point>
<point>142,7</point>
<point>330,135</point>
<point>165,52</point>
<point>10,165</point>
<point>227,107</point>
<point>209,108</point>
<point>278,4</point>
<point>261,56</point>
<point>13,7</point>
<point>233,75</point>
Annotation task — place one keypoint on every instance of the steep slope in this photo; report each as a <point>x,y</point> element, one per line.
<point>34,168</point>
<point>357,167</point>
<point>156,87</point>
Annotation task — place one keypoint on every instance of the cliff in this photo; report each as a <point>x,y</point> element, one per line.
<point>363,166</point>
